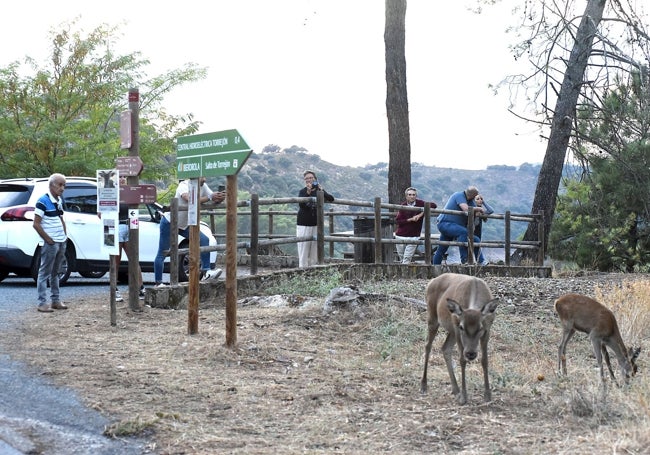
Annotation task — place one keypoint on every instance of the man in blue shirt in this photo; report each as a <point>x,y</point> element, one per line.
<point>454,226</point>
<point>49,223</point>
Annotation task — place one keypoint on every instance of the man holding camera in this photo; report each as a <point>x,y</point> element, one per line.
<point>308,220</point>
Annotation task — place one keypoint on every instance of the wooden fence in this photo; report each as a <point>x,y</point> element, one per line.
<point>377,211</point>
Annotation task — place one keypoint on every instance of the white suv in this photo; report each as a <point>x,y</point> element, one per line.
<point>20,244</point>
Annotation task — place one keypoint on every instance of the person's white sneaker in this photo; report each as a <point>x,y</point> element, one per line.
<point>118,297</point>
<point>211,274</point>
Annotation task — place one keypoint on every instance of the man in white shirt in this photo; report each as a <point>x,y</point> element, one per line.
<point>49,223</point>
<point>183,195</point>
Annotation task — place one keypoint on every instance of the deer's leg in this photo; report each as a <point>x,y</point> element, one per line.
<point>462,398</point>
<point>447,348</point>
<point>487,393</point>
<point>609,364</point>
<point>433,331</point>
<point>561,350</point>
<point>596,345</point>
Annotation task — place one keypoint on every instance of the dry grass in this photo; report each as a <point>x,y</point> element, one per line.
<point>630,302</point>
<point>347,382</point>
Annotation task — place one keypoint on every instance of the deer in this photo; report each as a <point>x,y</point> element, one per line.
<point>463,305</point>
<point>584,314</point>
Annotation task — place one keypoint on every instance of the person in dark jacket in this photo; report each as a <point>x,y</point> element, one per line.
<point>409,225</point>
<point>308,220</point>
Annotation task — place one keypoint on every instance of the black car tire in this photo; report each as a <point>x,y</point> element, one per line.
<point>183,267</point>
<point>93,274</point>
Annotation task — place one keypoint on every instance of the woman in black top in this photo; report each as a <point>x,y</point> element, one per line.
<point>308,219</point>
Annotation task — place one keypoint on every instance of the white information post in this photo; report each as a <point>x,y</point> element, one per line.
<point>192,204</point>
<point>108,205</point>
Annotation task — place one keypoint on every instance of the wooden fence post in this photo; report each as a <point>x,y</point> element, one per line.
<point>427,233</point>
<point>255,231</point>
<point>320,227</point>
<point>507,230</point>
<point>470,236</point>
<point>331,231</point>
<point>173,242</point>
<point>541,234</point>
<point>378,245</point>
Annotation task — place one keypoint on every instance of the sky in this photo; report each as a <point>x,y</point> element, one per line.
<point>311,73</point>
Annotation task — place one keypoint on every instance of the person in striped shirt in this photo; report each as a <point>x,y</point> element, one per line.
<point>49,223</point>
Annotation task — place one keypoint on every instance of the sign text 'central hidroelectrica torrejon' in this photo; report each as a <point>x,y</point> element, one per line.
<point>211,154</point>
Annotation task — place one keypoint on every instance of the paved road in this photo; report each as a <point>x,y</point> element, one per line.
<point>37,417</point>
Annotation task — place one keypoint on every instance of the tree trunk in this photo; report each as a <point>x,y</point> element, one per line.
<point>397,109</point>
<point>550,174</point>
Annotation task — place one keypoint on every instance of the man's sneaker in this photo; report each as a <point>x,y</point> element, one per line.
<point>159,285</point>
<point>211,274</point>
<point>485,263</point>
<point>118,297</point>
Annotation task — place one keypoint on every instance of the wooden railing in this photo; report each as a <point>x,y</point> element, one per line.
<point>378,211</point>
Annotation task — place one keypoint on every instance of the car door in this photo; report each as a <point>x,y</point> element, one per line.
<point>149,234</point>
<point>85,228</point>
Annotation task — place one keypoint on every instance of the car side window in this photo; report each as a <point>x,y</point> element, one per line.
<point>80,198</point>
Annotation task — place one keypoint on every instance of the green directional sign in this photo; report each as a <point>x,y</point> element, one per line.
<point>211,154</point>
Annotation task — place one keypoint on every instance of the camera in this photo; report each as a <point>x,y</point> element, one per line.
<point>221,188</point>
<point>314,184</point>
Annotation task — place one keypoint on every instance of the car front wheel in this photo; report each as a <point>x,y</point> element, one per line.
<point>184,267</point>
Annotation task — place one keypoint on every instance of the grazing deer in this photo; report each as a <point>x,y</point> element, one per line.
<point>464,306</point>
<point>582,313</point>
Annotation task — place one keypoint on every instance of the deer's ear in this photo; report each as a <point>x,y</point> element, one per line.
<point>454,307</point>
<point>490,307</point>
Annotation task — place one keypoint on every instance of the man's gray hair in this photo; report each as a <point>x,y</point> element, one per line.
<point>56,177</point>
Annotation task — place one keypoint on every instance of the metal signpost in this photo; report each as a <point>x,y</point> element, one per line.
<point>129,166</point>
<point>211,154</point>
<point>222,153</point>
<point>138,194</point>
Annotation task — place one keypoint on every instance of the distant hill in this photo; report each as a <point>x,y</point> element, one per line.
<point>279,174</point>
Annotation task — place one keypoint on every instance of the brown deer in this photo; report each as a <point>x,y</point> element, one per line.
<point>584,314</point>
<point>464,306</point>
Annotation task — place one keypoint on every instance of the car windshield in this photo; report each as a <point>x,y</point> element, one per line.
<point>11,195</point>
